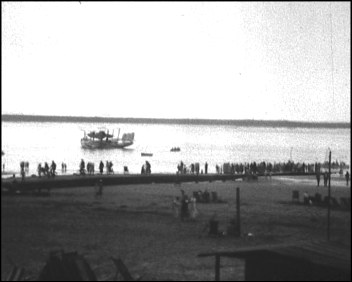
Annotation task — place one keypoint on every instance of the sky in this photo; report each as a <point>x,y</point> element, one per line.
<point>208,60</point>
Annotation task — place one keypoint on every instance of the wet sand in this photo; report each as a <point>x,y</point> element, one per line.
<point>136,223</point>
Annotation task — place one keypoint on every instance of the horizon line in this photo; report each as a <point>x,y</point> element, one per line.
<point>257,122</point>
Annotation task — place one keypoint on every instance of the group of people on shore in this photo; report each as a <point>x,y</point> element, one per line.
<point>326,178</point>
<point>280,167</point>
<point>193,168</point>
<point>265,168</point>
<point>90,168</point>
<point>46,170</point>
<point>63,167</point>
<point>181,209</point>
<point>24,169</point>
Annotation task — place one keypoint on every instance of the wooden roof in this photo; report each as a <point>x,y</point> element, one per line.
<point>331,254</point>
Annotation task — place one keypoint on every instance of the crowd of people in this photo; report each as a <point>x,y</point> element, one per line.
<point>46,170</point>
<point>193,168</point>
<point>90,168</point>
<point>253,168</point>
<point>257,168</point>
<point>276,167</point>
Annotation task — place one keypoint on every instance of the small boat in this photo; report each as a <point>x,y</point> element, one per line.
<point>146,154</point>
<point>103,140</point>
<point>175,149</point>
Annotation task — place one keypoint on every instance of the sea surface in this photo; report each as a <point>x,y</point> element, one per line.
<point>39,142</point>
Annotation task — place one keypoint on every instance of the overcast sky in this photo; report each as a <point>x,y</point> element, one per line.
<point>216,60</point>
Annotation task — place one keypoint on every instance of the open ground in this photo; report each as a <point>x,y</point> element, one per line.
<point>136,223</point>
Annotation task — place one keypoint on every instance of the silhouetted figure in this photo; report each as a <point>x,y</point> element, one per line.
<point>99,189</point>
<point>22,174</point>
<point>325,179</point>
<point>81,167</point>
<point>101,167</point>
<point>53,168</point>
<point>39,169</point>
<point>46,170</point>
<point>147,167</point>
<point>318,177</point>
<point>184,205</point>
<point>347,177</point>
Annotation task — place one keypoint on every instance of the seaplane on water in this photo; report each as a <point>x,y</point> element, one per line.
<point>101,139</point>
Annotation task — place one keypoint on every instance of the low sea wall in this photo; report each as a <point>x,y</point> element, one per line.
<point>36,183</point>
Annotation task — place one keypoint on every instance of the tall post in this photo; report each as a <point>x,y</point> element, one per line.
<point>329,195</point>
<point>217,268</point>
<point>238,217</point>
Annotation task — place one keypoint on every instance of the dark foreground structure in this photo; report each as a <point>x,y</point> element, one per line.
<point>13,185</point>
<point>309,261</point>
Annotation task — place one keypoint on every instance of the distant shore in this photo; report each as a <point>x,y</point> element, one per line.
<point>244,122</point>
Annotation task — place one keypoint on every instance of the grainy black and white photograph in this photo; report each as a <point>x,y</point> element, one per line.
<point>175,141</point>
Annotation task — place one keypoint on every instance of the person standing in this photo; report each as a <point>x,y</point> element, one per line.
<point>82,166</point>
<point>194,211</point>
<point>99,187</point>
<point>184,205</point>
<point>53,168</point>
<point>148,167</point>
<point>325,179</point>
<point>107,165</point>
<point>39,169</point>
<point>176,207</point>
<point>318,177</point>
<point>101,167</point>
<point>46,170</point>
<point>347,177</point>
<point>100,191</point>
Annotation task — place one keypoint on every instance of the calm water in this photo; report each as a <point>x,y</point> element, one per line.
<point>44,142</point>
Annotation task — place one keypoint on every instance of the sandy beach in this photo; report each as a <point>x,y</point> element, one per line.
<point>136,223</point>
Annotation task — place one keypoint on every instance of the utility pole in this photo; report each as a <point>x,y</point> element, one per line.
<point>329,196</point>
